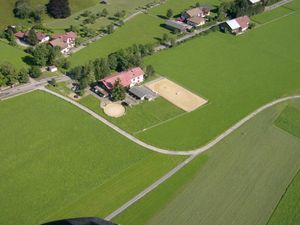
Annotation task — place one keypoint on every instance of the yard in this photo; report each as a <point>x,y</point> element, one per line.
<point>58,162</point>
<point>237,75</point>
<point>139,117</point>
<point>239,181</point>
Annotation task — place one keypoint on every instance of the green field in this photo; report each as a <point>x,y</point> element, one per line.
<point>241,181</point>
<point>12,55</point>
<point>58,162</point>
<point>289,121</point>
<point>140,117</point>
<point>236,74</point>
<point>271,15</point>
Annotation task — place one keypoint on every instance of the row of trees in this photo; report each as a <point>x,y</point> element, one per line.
<point>238,8</point>
<point>117,61</point>
<point>9,75</point>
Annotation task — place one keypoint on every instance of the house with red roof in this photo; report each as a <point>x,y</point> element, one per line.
<point>238,25</point>
<point>128,78</point>
<point>64,41</point>
<point>41,37</point>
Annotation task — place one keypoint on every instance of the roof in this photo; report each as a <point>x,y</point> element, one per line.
<point>40,36</point>
<point>142,92</point>
<point>243,21</point>
<point>176,24</point>
<point>20,34</point>
<point>196,20</point>
<point>233,24</point>
<point>254,1</point>
<point>125,77</point>
<point>81,221</point>
<point>194,12</point>
<point>58,42</point>
<point>65,36</point>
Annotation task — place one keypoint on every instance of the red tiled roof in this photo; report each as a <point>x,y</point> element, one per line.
<point>125,77</point>
<point>58,42</point>
<point>20,34</point>
<point>65,36</point>
<point>243,21</point>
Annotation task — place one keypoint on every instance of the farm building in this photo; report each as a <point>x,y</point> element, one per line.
<point>196,12</point>
<point>238,25</point>
<point>80,221</point>
<point>177,25</point>
<point>127,78</point>
<point>52,69</point>
<point>196,21</point>
<point>142,93</point>
<point>41,37</point>
<point>65,41</point>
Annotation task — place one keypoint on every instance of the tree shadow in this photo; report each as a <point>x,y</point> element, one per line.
<point>29,60</point>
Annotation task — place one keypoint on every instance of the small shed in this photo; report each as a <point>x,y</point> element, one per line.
<point>52,69</point>
<point>143,93</point>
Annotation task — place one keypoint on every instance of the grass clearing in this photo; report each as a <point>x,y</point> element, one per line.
<point>140,117</point>
<point>240,183</point>
<point>57,161</point>
<point>245,73</point>
<point>12,55</point>
<point>289,120</point>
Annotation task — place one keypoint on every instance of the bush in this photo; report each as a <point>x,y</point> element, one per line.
<point>35,72</point>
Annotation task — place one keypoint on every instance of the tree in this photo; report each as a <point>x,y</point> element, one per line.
<point>110,29</point>
<point>23,76</point>
<point>22,9</point>
<point>9,73</point>
<point>118,91</point>
<point>52,82</point>
<point>59,8</point>
<point>40,55</point>
<point>104,13</point>
<point>35,72</point>
<point>101,68</point>
<point>169,13</point>
<point>32,38</point>
<point>150,71</point>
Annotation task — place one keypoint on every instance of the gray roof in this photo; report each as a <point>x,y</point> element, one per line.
<point>142,92</point>
<point>176,24</point>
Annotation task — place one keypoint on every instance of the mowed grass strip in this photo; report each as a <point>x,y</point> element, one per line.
<point>139,117</point>
<point>289,120</point>
<point>240,183</point>
<point>236,74</point>
<point>12,55</point>
<point>57,161</point>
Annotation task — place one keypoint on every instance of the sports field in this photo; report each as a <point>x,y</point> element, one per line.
<point>58,162</point>
<point>241,182</point>
<point>236,74</point>
<point>12,55</point>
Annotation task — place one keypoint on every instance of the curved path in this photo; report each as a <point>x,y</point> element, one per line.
<point>167,151</point>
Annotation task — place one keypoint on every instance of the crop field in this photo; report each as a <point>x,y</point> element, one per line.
<point>289,121</point>
<point>241,182</point>
<point>140,117</point>
<point>272,15</point>
<point>236,74</point>
<point>12,55</point>
<point>58,162</point>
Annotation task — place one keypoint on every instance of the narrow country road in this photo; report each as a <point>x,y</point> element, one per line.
<point>169,151</point>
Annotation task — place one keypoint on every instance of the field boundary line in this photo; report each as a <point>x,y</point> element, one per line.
<point>276,19</point>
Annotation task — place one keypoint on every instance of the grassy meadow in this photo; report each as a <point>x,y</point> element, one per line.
<point>236,74</point>
<point>140,117</point>
<point>289,121</point>
<point>12,55</point>
<point>241,182</point>
<point>59,162</point>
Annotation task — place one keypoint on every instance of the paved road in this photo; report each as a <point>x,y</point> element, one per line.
<point>169,151</point>
<point>276,5</point>
<point>33,85</point>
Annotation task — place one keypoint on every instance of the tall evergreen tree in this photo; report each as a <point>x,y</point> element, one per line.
<point>59,8</point>
<point>32,38</point>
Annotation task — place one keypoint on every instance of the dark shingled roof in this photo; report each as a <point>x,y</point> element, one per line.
<point>142,92</point>
<point>80,221</point>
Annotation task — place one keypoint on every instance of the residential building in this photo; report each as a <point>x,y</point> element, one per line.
<point>127,78</point>
<point>196,12</point>
<point>238,25</point>
<point>41,37</point>
<point>196,21</point>
<point>254,1</point>
<point>65,41</point>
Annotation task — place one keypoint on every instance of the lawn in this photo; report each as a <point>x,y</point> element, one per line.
<point>271,15</point>
<point>140,117</point>
<point>236,74</point>
<point>12,55</point>
<point>289,121</point>
<point>241,182</point>
<point>57,162</point>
